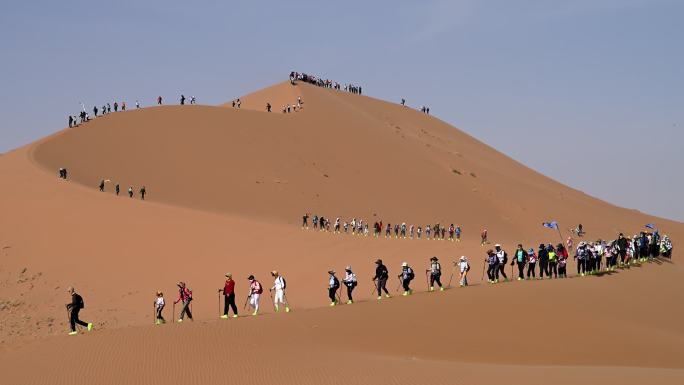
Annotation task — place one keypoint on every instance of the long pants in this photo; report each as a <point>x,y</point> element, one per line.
<point>350,289</point>
<point>500,270</point>
<point>562,271</point>
<point>598,263</point>
<point>581,266</point>
<point>332,294</point>
<point>279,297</point>
<point>543,269</point>
<point>553,269</point>
<point>159,313</point>
<point>435,278</point>
<point>530,269</point>
<point>491,272</point>
<point>73,319</point>
<point>185,310</point>
<point>229,301</point>
<point>521,270</point>
<point>405,284</point>
<point>254,301</point>
<point>382,286</point>
<point>464,279</point>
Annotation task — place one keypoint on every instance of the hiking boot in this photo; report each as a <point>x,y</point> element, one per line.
<point>520,279</point>
<point>276,308</point>
<point>235,315</point>
<point>225,316</point>
<point>73,333</point>
<point>379,297</point>
<point>441,289</point>
<point>410,291</point>
<point>90,326</point>
<point>287,309</point>
<point>332,303</point>
<point>157,322</point>
<point>405,293</point>
<point>180,320</point>
<point>432,288</point>
<point>255,313</point>
<point>350,302</point>
<point>387,295</point>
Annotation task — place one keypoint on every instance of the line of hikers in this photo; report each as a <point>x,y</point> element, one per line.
<point>552,261</point>
<point>117,189</point>
<point>360,227</point>
<point>326,83</point>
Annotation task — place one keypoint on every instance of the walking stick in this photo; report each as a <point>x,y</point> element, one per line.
<point>218,297</point>
<point>270,294</point>
<point>452,276</point>
<point>399,285</point>
<point>154,313</point>
<point>427,280</point>
<point>375,287</point>
<point>483,270</point>
<point>244,307</point>
<point>512,275</point>
<point>173,312</point>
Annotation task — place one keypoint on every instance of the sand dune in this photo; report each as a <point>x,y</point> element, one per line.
<point>227,188</point>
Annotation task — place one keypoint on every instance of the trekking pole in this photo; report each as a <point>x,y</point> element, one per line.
<point>244,307</point>
<point>173,311</point>
<point>483,271</point>
<point>399,285</point>
<point>427,280</point>
<point>218,296</point>
<point>452,276</point>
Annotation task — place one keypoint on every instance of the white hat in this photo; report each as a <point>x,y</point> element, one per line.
<point>497,245</point>
<point>404,264</point>
<point>348,268</point>
<point>463,257</point>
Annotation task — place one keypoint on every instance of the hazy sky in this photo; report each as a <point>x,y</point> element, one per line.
<point>587,92</point>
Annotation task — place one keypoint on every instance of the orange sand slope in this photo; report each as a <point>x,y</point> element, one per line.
<point>227,189</point>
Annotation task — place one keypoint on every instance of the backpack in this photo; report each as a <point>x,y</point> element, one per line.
<point>468,267</point>
<point>284,283</point>
<point>79,302</point>
<point>505,261</point>
<point>260,288</point>
<point>188,292</point>
<point>411,275</point>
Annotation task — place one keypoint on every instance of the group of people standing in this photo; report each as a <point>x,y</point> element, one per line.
<point>325,83</point>
<point>404,231</point>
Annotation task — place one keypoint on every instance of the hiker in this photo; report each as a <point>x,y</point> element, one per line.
<point>492,261</point>
<point>581,256</point>
<point>520,258</point>
<point>228,292</point>
<point>464,268</point>
<point>182,100</point>
<point>142,192</point>
<point>483,235</point>
<point>621,245</point>
<point>116,106</point>
<point>184,296</point>
<point>403,101</point>
<point>255,290</point>
<point>458,233</point>
<point>349,281</point>
<point>406,277</point>
<point>553,261</point>
<point>268,107</point>
<point>95,111</point>
<point>305,220</point>
<point>159,100</point>
<point>63,173</point>
<point>73,309</point>
<point>502,256</point>
<point>130,192</point>
<point>333,285</point>
<point>531,263</point>
<point>71,121</point>
<point>666,247</point>
<point>137,104</point>
<point>279,286</point>
<point>117,189</point>
<point>435,271</point>
<point>102,185</point>
<point>158,308</point>
<point>123,106</point>
<point>380,279</point>
<point>562,254</point>
<point>193,100</point>
<point>543,257</point>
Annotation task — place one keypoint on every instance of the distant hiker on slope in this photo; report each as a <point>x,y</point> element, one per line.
<point>182,100</point>
<point>255,290</point>
<point>184,296</point>
<point>501,266</point>
<point>305,221</point>
<point>228,292</point>
<point>130,191</point>
<point>531,263</point>
<point>279,286</point>
<point>143,191</point>
<point>406,277</point>
<point>520,258</point>
<point>581,257</point>
<point>435,271</point>
<point>159,100</point>
<point>464,268</point>
<point>102,185</point>
<point>380,279</point>
<point>333,285</point>
<point>350,282</point>
<point>117,189</point>
<point>483,237</point>
<point>543,257</point>
<point>562,254</point>
<point>159,304</point>
<point>73,309</point>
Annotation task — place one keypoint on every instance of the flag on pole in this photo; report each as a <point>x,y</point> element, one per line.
<point>650,226</point>
<point>550,225</point>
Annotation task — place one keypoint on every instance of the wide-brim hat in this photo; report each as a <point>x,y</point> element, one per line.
<point>497,245</point>
<point>404,264</point>
<point>229,275</point>
<point>463,258</point>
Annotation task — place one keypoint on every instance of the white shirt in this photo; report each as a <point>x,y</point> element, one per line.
<point>500,255</point>
<point>160,302</point>
<point>463,266</point>
<point>279,283</point>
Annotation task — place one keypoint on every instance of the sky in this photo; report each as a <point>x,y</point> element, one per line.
<point>589,93</point>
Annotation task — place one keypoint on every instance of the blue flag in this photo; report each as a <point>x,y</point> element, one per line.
<point>550,225</point>
<point>650,226</point>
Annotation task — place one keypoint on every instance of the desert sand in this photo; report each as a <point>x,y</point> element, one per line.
<point>226,191</point>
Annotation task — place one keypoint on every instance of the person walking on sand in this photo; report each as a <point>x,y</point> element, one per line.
<point>130,192</point>
<point>182,100</point>
<point>380,279</point>
<point>520,258</point>
<point>435,271</point>
<point>531,263</point>
<point>464,268</point>
<point>142,192</point>
<point>159,304</point>
<point>483,237</point>
<point>406,277</point>
<point>117,189</point>
<point>159,100</point>
<point>255,290</point>
<point>137,104</point>
<point>279,286</point>
<point>350,282</point>
<point>102,185</point>
<point>228,292</point>
<point>305,221</point>
<point>543,257</point>
<point>333,285</point>
<point>491,260</point>
<point>502,257</point>
<point>73,309</point>
<point>185,297</point>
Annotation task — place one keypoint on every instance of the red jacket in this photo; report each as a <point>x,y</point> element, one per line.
<point>229,287</point>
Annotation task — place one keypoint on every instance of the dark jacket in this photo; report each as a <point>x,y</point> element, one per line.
<point>381,272</point>
<point>76,302</point>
